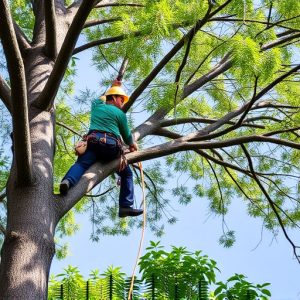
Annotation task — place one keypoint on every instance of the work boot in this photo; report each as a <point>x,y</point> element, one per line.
<point>64,187</point>
<point>129,212</point>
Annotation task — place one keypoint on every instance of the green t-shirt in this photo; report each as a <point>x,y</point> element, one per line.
<point>109,118</point>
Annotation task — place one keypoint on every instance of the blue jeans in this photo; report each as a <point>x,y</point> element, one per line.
<point>104,152</point>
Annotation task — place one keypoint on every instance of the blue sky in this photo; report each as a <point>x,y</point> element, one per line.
<point>255,254</point>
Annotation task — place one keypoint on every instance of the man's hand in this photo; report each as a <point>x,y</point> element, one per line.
<point>133,147</point>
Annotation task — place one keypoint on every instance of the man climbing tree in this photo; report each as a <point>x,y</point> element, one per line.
<point>219,86</point>
<point>103,142</point>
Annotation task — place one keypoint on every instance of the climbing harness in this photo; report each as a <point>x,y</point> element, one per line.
<point>143,231</point>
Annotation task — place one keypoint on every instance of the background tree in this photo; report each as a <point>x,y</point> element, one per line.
<point>218,86</point>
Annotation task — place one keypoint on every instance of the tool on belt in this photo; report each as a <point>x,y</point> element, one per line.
<point>81,146</point>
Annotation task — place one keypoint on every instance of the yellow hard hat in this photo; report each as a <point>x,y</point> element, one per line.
<point>115,90</point>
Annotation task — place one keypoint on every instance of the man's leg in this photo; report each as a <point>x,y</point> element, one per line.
<point>74,174</point>
<point>126,197</point>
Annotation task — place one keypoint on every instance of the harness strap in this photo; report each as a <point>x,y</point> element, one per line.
<point>92,137</point>
<point>123,161</point>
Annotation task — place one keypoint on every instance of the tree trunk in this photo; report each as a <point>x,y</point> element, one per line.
<point>29,247</point>
<point>25,265</point>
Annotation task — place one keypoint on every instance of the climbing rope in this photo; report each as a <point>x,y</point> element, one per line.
<point>143,232</point>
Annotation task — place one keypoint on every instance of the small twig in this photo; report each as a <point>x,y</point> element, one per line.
<point>271,202</point>
<point>91,23</point>
<point>219,186</point>
<point>122,69</point>
<point>119,4</point>
<point>2,197</point>
<point>282,131</point>
<point>250,104</point>
<point>2,230</point>
<point>180,69</point>
<point>101,194</point>
<point>69,128</point>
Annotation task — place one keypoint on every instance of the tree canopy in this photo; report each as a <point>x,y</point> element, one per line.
<point>217,83</point>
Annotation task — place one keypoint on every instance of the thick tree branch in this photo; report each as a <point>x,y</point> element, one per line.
<point>21,134</point>
<point>286,32</point>
<point>46,99</point>
<point>178,121</point>
<point>224,65</point>
<point>51,32</point>
<point>98,172</point>
<point>91,23</point>
<point>39,23</point>
<point>280,41</point>
<point>105,41</point>
<point>271,203</point>
<point>5,94</point>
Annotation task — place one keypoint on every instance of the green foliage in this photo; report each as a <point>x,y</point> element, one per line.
<point>151,31</point>
<point>23,14</point>
<point>227,239</point>
<point>241,31</point>
<point>178,274</point>
<point>238,288</point>
<point>73,283</point>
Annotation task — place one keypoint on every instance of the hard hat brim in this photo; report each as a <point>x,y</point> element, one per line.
<point>126,98</point>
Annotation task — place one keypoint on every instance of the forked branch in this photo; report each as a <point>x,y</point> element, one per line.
<point>46,99</point>
<point>138,91</point>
